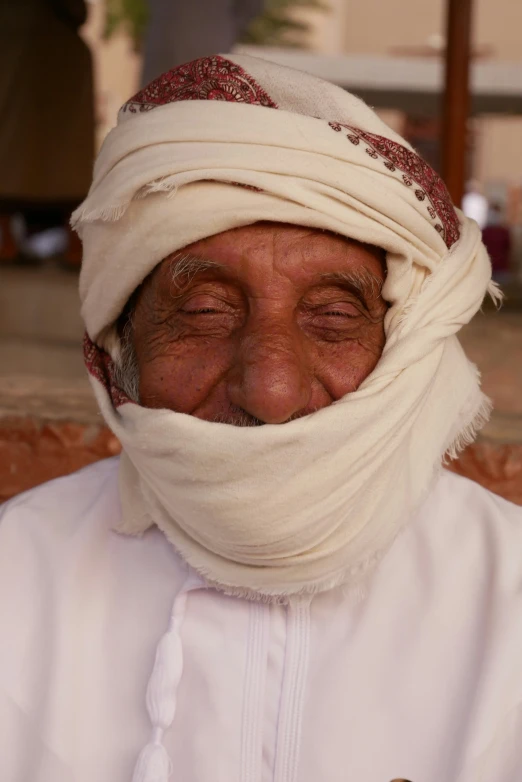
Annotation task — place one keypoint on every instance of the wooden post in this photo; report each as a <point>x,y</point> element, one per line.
<point>456,103</point>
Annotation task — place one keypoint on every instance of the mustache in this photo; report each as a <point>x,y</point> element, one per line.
<point>236,416</point>
<point>240,418</point>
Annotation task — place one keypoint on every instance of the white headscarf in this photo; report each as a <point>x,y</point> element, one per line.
<point>276,510</point>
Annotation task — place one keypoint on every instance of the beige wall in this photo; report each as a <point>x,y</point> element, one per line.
<point>499,23</point>
<point>374,26</point>
<point>500,149</point>
<point>378,26</point>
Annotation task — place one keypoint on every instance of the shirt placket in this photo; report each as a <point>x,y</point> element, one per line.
<point>276,672</point>
<point>297,651</point>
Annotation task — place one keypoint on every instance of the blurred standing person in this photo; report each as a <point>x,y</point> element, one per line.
<point>180,31</point>
<point>497,238</point>
<point>47,128</point>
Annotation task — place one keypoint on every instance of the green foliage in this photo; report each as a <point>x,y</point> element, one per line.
<point>133,15</point>
<point>278,25</point>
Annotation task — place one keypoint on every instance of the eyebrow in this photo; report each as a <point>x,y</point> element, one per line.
<point>362,282</point>
<point>185,266</point>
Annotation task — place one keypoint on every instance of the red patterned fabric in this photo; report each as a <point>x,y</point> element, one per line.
<point>209,78</point>
<point>100,365</point>
<point>413,170</point>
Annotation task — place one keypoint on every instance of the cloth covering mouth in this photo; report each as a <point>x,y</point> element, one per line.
<point>279,510</point>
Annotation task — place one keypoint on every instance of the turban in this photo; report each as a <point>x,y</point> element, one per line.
<point>273,511</point>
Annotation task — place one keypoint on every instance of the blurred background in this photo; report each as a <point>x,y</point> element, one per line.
<point>447,75</point>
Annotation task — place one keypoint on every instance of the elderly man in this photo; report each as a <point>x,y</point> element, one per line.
<point>277,581</point>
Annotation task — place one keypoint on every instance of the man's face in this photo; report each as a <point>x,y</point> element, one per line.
<point>260,324</point>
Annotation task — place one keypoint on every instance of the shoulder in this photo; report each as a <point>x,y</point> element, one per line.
<point>77,485</point>
<point>53,538</point>
<point>468,527</point>
<point>68,526</point>
<point>60,506</point>
<point>460,498</point>
<point>470,543</point>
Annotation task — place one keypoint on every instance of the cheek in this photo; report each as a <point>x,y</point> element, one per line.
<point>182,380</point>
<point>342,366</point>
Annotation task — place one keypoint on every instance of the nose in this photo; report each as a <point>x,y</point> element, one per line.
<point>270,379</point>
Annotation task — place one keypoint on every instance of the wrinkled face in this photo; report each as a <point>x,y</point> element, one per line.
<point>260,324</point>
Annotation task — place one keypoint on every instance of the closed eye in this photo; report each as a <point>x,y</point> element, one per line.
<point>343,309</point>
<point>203,304</point>
<point>340,313</point>
<point>205,311</point>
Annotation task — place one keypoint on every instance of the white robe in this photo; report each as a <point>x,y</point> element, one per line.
<point>422,679</point>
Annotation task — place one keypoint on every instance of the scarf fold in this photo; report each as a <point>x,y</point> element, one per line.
<point>278,510</point>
